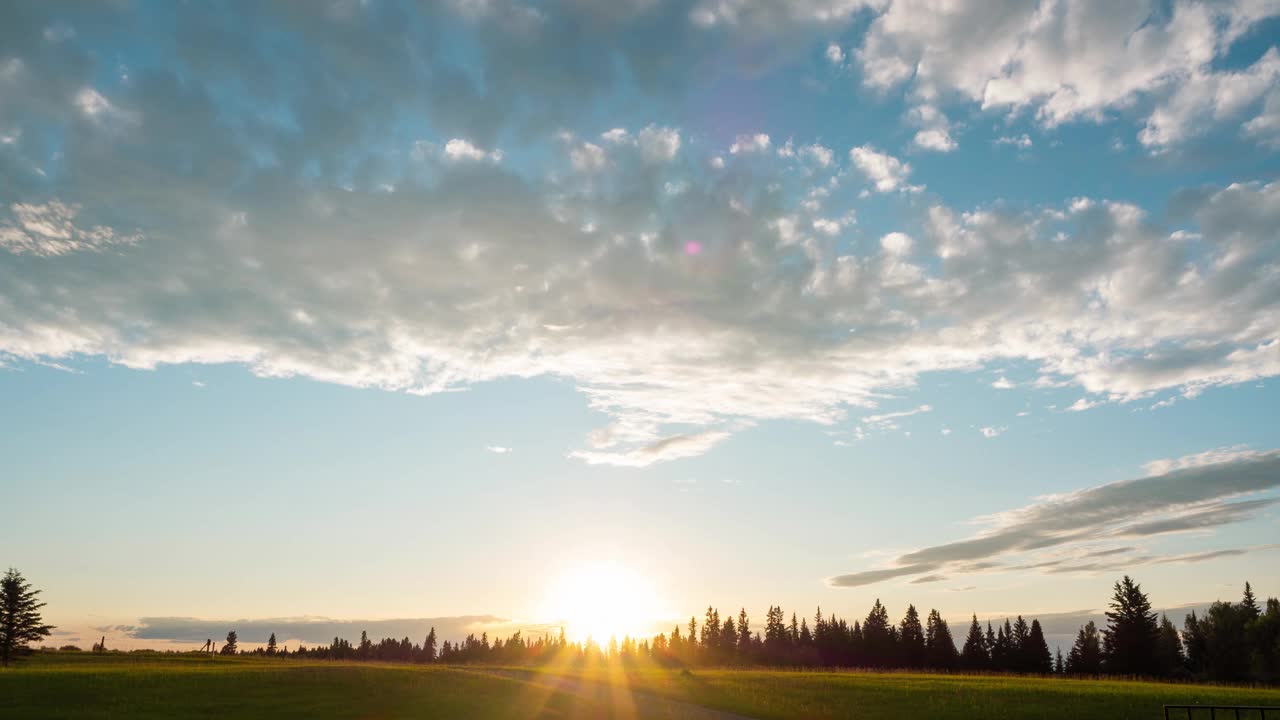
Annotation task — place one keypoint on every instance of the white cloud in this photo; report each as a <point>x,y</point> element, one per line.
<point>897,244</point>
<point>588,157</point>
<point>659,144</point>
<point>1003,383</point>
<point>827,227</point>
<point>885,171</point>
<point>1067,61</point>
<point>460,150</point>
<point>498,449</point>
<point>750,144</point>
<point>1082,404</point>
<point>990,432</point>
<point>835,55</point>
<point>1022,141</point>
<point>50,229</point>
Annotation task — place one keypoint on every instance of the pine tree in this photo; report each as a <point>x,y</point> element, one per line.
<point>939,646</point>
<point>271,644</point>
<point>230,647</point>
<point>1169,658</point>
<point>1036,651</point>
<point>1059,666</point>
<point>877,637</point>
<point>1020,650</point>
<point>1249,603</point>
<point>911,638</point>
<point>974,655</point>
<point>20,621</point>
<point>1194,642</point>
<point>744,634</point>
<point>1129,642</point>
<point>1085,657</point>
<point>429,645</point>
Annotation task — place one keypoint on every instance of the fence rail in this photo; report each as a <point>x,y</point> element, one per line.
<point>1235,712</point>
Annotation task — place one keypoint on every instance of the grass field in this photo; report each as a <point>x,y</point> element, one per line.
<point>142,686</point>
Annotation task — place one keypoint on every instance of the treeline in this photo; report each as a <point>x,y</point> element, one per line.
<point>1231,642</point>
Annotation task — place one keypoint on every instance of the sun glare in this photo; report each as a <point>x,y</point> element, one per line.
<point>600,601</point>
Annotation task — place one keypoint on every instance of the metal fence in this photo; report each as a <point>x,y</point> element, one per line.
<point>1231,712</point>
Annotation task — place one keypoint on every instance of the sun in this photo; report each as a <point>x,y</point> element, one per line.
<point>602,600</point>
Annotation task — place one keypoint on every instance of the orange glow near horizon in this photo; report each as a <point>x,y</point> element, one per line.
<point>602,600</point>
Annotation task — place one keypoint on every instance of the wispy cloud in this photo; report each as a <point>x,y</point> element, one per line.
<point>498,449</point>
<point>1192,494</point>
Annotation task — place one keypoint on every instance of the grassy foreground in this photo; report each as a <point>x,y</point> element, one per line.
<point>152,686</point>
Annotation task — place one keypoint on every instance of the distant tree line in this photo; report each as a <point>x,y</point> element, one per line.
<point>1231,642</point>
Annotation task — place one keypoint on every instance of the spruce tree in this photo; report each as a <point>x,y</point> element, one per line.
<point>1059,667</point>
<point>1020,651</point>
<point>1085,657</point>
<point>1129,642</point>
<point>1249,603</point>
<point>974,655</point>
<point>1169,658</point>
<point>911,639</point>
<point>1036,651</point>
<point>271,644</point>
<point>939,646</point>
<point>20,621</point>
<point>744,635</point>
<point>429,645</point>
<point>877,637</point>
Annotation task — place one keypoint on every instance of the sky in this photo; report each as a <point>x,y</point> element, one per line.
<point>353,314</point>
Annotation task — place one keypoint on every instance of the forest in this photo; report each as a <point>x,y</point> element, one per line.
<point>1230,642</point>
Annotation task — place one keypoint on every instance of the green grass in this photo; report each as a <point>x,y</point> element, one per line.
<point>768,694</point>
<point>75,686</point>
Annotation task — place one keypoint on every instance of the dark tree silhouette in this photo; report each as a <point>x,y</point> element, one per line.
<point>974,655</point>
<point>1249,603</point>
<point>230,647</point>
<point>939,646</point>
<point>1085,657</point>
<point>1036,651</point>
<point>429,645</point>
<point>1169,657</point>
<point>20,621</point>
<point>877,637</point>
<point>271,644</point>
<point>1129,642</point>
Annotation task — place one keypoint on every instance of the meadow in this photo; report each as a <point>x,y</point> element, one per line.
<point>75,686</point>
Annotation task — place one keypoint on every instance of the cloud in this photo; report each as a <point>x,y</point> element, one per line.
<point>460,150</point>
<point>886,172</point>
<point>667,448</point>
<point>1021,142</point>
<point>1071,61</point>
<point>49,229</point>
<point>1192,495</point>
<point>883,418</point>
<point>309,630</point>
<point>834,54</point>
<point>317,242</point>
<point>498,449</point>
<point>745,144</point>
<point>1003,383</point>
<point>990,432</point>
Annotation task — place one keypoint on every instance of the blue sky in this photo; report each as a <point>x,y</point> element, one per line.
<point>383,311</point>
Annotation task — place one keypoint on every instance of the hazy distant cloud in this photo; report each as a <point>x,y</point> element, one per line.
<point>667,448</point>
<point>1191,497</point>
<point>928,579</point>
<point>498,449</point>
<point>311,630</point>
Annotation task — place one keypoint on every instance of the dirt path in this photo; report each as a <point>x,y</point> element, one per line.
<point>626,703</point>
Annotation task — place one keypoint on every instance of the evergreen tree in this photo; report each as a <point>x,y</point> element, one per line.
<point>1020,650</point>
<point>20,621</point>
<point>1002,649</point>
<point>1226,648</point>
<point>911,639</point>
<point>1129,642</point>
<point>974,655</point>
<point>1249,603</point>
<point>429,645</point>
<point>939,646</point>
<point>271,644</point>
<point>877,637</point>
<point>794,631</point>
<point>744,635</point>
<point>1194,643</point>
<point>230,648</point>
<point>1035,651</point>
<point>990,641</point>
<point>1059,667</point>
<point>1169,658</point>
<point>728,639</point>
<point>1085,657</point>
